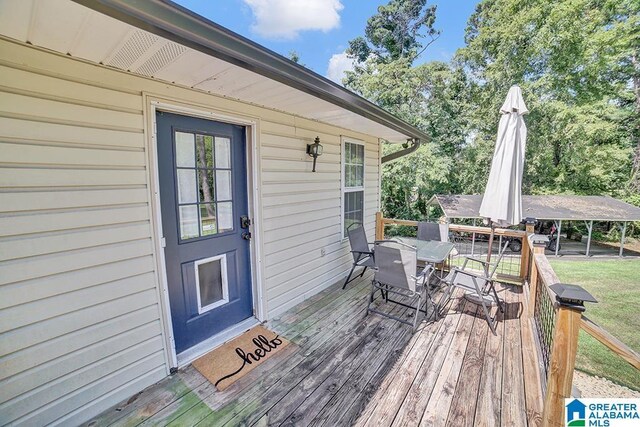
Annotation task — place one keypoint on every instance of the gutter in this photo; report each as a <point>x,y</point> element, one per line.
<point>415,143</point>
<point>180,25</point>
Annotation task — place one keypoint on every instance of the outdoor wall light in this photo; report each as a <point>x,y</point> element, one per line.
<point>315,151</point>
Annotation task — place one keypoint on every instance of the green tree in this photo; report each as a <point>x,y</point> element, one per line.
<point>294,56</point>
<point>575,61</point>
<point>396,31</point>
<point>430,96</point>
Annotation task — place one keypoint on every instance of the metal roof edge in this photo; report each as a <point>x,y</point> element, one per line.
<point>181,25</point>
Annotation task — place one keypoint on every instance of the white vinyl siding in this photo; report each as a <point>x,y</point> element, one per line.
<point>80,312</point>
<point>302,210</point>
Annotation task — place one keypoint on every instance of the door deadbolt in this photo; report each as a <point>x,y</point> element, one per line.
<point>245,222</point>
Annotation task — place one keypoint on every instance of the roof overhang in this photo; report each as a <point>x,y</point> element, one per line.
<point>165,41</point>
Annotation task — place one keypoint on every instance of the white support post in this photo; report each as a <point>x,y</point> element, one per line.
<point>473,238</point>
<point>590,229</point>
<point>558,237</point>
<point>624,231</point>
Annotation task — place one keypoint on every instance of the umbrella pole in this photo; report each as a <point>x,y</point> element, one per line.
<point>493,231</point>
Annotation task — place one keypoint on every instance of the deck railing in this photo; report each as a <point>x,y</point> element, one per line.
<point>555,322</point>
<point>473,241</point>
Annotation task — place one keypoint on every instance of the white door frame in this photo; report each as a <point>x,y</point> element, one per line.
<point>152,104</point>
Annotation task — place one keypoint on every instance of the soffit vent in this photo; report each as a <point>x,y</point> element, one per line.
<point>163,57</point>
<point>132,49</point>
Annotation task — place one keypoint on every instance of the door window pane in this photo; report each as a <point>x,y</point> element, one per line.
<point>188,222</point>
<point>223,153</point>
<point>223,179</point>
<point>204,146</point>
<point>212,282</point>
<point>207,219</point>
<point>225,217</point>
<point>203,183</point>
<point>185,154</point>
<point>206,185</point>
<point>186,186</point>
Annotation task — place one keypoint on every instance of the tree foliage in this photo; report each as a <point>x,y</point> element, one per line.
<point>576,61</point>
<point>395,32</point>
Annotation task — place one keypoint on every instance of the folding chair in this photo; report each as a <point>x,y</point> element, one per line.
<point>360,250</point>
<point>429,231</point>
<point>396,268</point>
<point>479,286</point>
<point>438,232</point>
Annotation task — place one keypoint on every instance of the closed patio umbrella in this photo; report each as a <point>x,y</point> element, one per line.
<point>502,201</point>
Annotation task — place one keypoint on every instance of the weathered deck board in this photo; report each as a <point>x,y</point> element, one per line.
<point>461,413</point>
<point>513,402</point>
<point>331,326</point>
<point>412,408</point>
<point>180,393</point>
<point>308,376</point>
<point>530,364</point>
<point>442,396</point>
<point>332,372</point>
<point>490,388</point>
<point>346,368</point>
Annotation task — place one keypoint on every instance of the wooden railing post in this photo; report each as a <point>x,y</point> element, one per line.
<point>526,254</point>
<point>379,226</point>
<point>538,248</point>
<point>562,362</point>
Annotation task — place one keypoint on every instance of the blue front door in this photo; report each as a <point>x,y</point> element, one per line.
<point>203,196</point>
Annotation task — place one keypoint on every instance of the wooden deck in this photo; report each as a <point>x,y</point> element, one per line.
<point>350,369</point>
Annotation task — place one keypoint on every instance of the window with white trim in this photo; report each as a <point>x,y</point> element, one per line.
<point>352,184</point>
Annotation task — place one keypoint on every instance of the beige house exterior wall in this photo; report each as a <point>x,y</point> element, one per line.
<point>82,311</point>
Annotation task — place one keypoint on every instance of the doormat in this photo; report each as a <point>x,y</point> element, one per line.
<point>234,359</point>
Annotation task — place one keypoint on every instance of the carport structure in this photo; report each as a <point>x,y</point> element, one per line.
<point>557,208</point>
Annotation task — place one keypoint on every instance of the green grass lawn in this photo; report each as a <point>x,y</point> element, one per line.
<point>616,286</point>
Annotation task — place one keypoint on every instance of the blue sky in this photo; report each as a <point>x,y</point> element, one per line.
<point>319,30</point>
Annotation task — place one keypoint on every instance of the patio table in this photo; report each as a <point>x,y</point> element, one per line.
<point>429,251</point>
<point>432,252</point>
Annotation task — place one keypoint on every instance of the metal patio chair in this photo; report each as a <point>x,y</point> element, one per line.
<point>439,233</point>
<point>360,250</point>
<point>396,273</point>
<point>429,231</point>
<point>479,287</point>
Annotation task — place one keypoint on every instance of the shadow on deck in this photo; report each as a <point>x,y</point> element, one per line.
<point>347,368</point>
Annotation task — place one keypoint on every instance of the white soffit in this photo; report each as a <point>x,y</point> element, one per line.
<point>71,29</point>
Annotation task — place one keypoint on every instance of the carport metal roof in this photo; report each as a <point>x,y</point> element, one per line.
<point>550,207</point>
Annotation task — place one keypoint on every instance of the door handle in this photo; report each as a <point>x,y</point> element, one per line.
<point>246,235</point>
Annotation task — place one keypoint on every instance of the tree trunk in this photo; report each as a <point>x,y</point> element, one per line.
<point>204,182</point>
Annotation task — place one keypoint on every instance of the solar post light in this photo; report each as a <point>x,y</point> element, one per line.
<point>572,296</point>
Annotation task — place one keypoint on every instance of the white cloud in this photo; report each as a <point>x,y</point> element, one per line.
<point>284,19</point>
<point>338,64</point>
